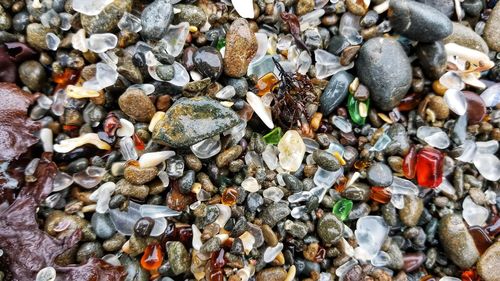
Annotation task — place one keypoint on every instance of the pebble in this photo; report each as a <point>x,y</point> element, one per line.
<point>136,191</point>
<point>165,72</point>
<point>107,19</point>
<point>491,32</point>
<point>325,160</point>
<point>476,108</point>
<point>88,250</point>
<point>271,274</point>
<point>438,105</point>
<point>304,6</point>
<point>136,104</point>
<point>487,266</point>
<point>138,175</point>
<point>335,92</point>
<point>447,7</point>
<point>189,121</point>
<point>5,20</point>
<point>376,62</point>
<point>190,13</point>
<point>457,242</point>
<point>297,229</point>
<point>269,235</point>
<point>208,61</point>
<point>465,36</point>
<point>114,243</point>
<point>356,7</point>
<point>432,58</point>
<point>33,75</point>
<point>241,47</point>
<point>156,18</point>
<point>212,245</point>
<point>412,210</point>
<point>357,191</point>
<point>76,222</point>
<point>178,257</point>
<point>228,155</point>
<point>186,182</point>
<point>102,225</point>
<point>379,174</point>
<point>35,35</point>
<point>418,21</point>
<point>144,226</point>
<point>274,213</point>
<point>330,228</point>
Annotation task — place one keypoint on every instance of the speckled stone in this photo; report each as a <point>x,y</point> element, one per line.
<point>271,274</point>
<point>178,257</point>
<point>335,92</point>
<point>35,35</point>
<point>136,191</point>
<point>156,18</point>
<point>138,175</point>
<point>275,212</point>
<point>412,210</point>
<point>107,20</point>
<point>465,36</point>
<point>379,174</point>
<point>192,14</point>
<point>330,228</point>
<point>491,31</point>
<point>488,265</point>
<point>32,74</point>
<point>189,121</point>
<point>136,104</point>
<point>241,46</point>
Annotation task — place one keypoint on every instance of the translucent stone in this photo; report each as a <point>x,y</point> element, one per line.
<point>403,187</point>
<point>130,23</point>
<point>352,35</point>
<point>328,64</point>
<point>61,181</point>
<point>207,148</point>
<point>371,232</point>
<point>78,41</point>
<point>203,195</point>
<point>469,151</point>
<point>30,169</point>
<point>262,110</point>
<point>311,145</point>
<point>311,19</point>
<point>226,93</point>
<point>89,178</point>
<point>320,191</point>
<point>272,252</point>
<point>270,157</point>
<point>456,101</point>
<point>304,62</point>
<point>163,176</point>
<point>58,105</point>
<point>52,41</point>
<point>127,148</point>
<point>224,214</point>
<point>398,201</point>
<point>342,124</point>
<point>47,137</point>
<point>474,214</point>
<point>326,178</point>
<point>197,243</point>
<point>126,129</point>
<point>273,193</point>
<point>381,259</point>
<point>112,259</point>
<point>487,147</point>
<point>46,274</point>
<point>65,21</point>
<point>343,269</point>
<point>452,80</point>
<point>181,76</point>
<point>157,211</point>
<point>106,75</point>
<point>261,67</point>
<point>342,208</point>
<point>147,88</point>
<point>460,129</point>
<point>261,44</point>
<point>252,158</point>
<point>488,166</point>
<point>236,133</point>
<point>347,21</point>
<point>248,241</point>
<point>103,194</point>
<point>325,276</point>
<point>250,184</point>
<point>101,42</point>
<point>284,42</point>
<point>244,8</point>
<point>124,221</point>
<point>175,167</point>
<point>175,38</point>
<point>291,151</point>
<point>491,96</point>
<point>153,159</point>
<point>90,7</point>
<point>298,212</point>
<point>67,145</point>
<point>433,136</point>
<point>382,142</point>
<point>446,187</point>
<point>156,118</point>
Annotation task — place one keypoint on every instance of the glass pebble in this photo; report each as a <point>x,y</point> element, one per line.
<point>273,193</point>
<point>342,124</point>
<point>456,101</point>
<point>157,211</point>
<point>175,38</point>
<point>488,165</point>
<point>207,148</point>
<point>100,43</point>
<point>62,181</point>
<point>272,252</point>
<point>474,214</point>
<point>130,23</point>
<point>91,7</point>
<point>250,184</point>
<point>433,136</point>
<point>127,148</point>
<point>371,232</point>
<point>382,142</point>
<point>52,41</point>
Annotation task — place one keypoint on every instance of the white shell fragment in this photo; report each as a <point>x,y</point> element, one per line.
<point>67,145</point>
<point>244,8</point>
<point>153,159</point>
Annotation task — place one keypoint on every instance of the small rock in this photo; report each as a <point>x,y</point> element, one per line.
<point>114,243</point>
<point>325,160</point>
<point>88,250</point>
<point>208,61</point>
<point>186,182</point>
<point>241,47</point>
<point>192,14</point>
<point>376,62</point>
<point>212,245</point>
<point>293,183</point>
<point>178,257</point>
<point>488,265</point>
<point>165,72</point>
<point>189,121</point>
<point>476,108</point>
<point>269,235</point>
<point>446,7</point>
<point>102,225</point>
<point>396,261</point>
<point>432,58</point>
<point>107,20</point>
<point>228,155</point>
<point>412,210</point>
<point>192,162</point>
<point>304,6</point>
<point>465,36</point>
<point>357,7</point>
<point>330,228</point>
<point>156,18</point>
<point>35,35</point>
<point>439,107</point>
<point>418,21</point>
<point>297,229</point>
<point>491,31</point>
<point>457,242</point>
<point>335,92</point>
<point>136,104</point>
<point>275,212</point>
<point>271,274</point>
<point>136,191</point>
<point>138,175</point>
<point>472,7</point>
<point>32,74</point>
<point>144,226</point>
<point>357,191</point>
<point>379,174</point>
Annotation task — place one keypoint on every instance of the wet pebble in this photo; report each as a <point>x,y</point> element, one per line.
<point>326,160</point>
<point>379,174</point>
<point>335,92</point>
<point>192,14</point>
<point>136,104</point>
<point>178,257</point>
<point>487,266</point>
<point>241,46</point>
<point>88,250</point>
<point>330,228</point>
<point>137,175</point>
<point>412,210</point>
<point>432,58</point>
<point>274,213</point>
<point>144,226</point>
<point>35,35</point>
<point>208,61</point>
<point>491,32</point>
<point>125,188</point>
<point>465,36</point>
<point>102,225</point>
<point>106,20</point>
<point>156,18</point>
<point>32,74</point>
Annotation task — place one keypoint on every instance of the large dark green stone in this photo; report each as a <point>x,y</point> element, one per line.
<point>189,121</point>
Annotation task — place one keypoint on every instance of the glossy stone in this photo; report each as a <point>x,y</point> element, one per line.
<point>208,61</point>
<point>487,267</point>
<point>241,47</point>
<point>152,257</point>
<point>335,92</point>
<point>432,58</point>
<point>418,21</point>
<point>476,108</point>
<point>447,7</point>
<point>189,121</point>
<point>354,106</point>
<point>192,14</point>
<point>376,62</point>
<point>457,242</point>
<point>465,36</point>
<point>144,226</point>
<point>412,261</point>
<point>156,18</point>
<point>491,32</point>
<point>136,104</point>
<point>429,167</point>
<point>379,174</point>
<point>32,74</point>
<point>330,228</point>
<point>106,20</point>
<point>342,208</point>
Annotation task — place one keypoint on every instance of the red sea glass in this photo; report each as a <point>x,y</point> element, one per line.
<point>429,167</point>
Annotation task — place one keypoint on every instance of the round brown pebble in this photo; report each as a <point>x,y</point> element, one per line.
<point>136,104</point>
<point>439,107</point>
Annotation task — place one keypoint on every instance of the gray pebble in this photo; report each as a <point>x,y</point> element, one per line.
<point>379,174</point>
